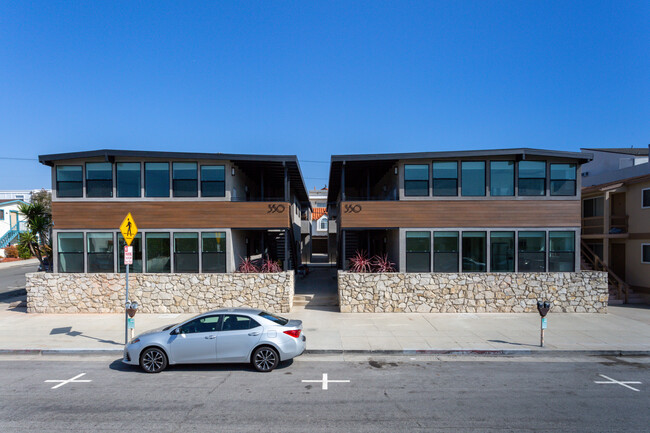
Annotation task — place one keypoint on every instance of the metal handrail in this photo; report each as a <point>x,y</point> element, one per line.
<point>621,286</point>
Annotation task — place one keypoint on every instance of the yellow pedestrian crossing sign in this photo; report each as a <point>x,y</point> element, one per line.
<point>128,229</point>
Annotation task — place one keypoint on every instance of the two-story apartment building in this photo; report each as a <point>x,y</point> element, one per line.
<point>508,210</point>
<point>196,212</point>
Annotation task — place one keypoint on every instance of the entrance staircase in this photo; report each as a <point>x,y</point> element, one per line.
<point>11,236</point>
<point>315,300</point>
<point>619,291</point>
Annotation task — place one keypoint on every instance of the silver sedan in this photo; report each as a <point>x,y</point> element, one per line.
<point>219,336</point>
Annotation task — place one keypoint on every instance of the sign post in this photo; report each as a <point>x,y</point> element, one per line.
<point>129,230</point>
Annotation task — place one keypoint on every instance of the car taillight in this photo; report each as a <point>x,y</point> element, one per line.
<point>293,333</point>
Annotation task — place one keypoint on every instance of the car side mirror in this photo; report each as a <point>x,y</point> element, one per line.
<point>176,331</point>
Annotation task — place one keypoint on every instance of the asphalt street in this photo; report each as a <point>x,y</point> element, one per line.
<point>12,280</point>
<point>422,393</point>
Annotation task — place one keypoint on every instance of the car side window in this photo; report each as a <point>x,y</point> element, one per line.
<point>235,323</point>
<point>202,324</point>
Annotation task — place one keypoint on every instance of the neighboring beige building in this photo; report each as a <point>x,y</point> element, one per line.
<point>616,227</point>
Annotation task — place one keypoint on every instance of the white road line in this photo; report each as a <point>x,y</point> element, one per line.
<point>64,382</point>
<point>325,381</point>
<point>622,383</point>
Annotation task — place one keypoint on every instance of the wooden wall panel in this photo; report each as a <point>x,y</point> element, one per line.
<point>461,213</point>
<point>170,214</point>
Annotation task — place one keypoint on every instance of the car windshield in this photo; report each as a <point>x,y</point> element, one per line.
<point>273,318</point>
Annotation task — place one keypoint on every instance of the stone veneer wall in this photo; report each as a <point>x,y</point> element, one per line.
<point>570,292</point>
<point>158,293</point>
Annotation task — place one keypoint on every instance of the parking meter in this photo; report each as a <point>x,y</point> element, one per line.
<point>543,309</point>
<point>131,309</point>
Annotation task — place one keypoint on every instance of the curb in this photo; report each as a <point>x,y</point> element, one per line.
<point>454,352</point>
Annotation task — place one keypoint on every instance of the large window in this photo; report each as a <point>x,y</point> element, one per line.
<point>418,251</point>
<point>532,178</point>
<point>185,178</point>
<point>100,252</point>
<point>502,178</point>
<point>502,251</point>
<point>445,251</point>
<point>213,181</point>
<point>156,179</point>
<point>214,252</point>
<point>474,252</point>
<point>445,178</point>
<point>322,224</point>
<point>136,243</point>
<point>186,252</point>
<point>472,178</point>
<point>532,251</point>
<point>69,181</point>
<point>71,252</point>
<point>99,179</point>
<point>593,207</point>
<point>563,179</point>
<point>645,253</point>
<point>416,180</point>
<point>157,252</point>
<point>645,198</point>
<point>561,251</point>
<point>128,179</point>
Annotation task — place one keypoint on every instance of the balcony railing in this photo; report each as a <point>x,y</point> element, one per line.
<point>618,224</point>
<point>596,225</point>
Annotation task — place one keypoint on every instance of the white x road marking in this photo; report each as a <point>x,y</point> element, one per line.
<point>325,381</point>
<point>610,380</point>
<point>64,382</point>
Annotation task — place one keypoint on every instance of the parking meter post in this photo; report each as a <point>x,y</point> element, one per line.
<point>541,344</point>
<point>126,315</point>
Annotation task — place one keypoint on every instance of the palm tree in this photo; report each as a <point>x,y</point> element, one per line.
<point>39,222</point>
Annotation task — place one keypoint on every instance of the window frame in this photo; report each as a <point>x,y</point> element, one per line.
<point>550,251</point>
<point>514,177</point>
<point>643,245</point>
<point>203,252</point>
<point>574,180</point>
<point>485,250</point>
<point>146,252</point>
<point>58,182</point>
<point>202,181</point>
<point>2,214</point>
<point>514,251</point>
<point>169,179</point>
<point>117,179</point>
<point>428,189</point>
<point>195,192</point>
<point>91,181</point>
<point>197,253</point>
<point>519,250</point>
<point>406,252</point>
<point>545,178</point>
<point>462,178</point>
<point>457,252</point>
<point>82,252</point>
<point>455,179</point>
<point>88,254</point>
<point>322,220</point>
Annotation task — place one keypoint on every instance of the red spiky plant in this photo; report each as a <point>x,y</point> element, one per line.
<point>269,266</point>
<point>360,263</point>
<point>382,264</point>
<point>247,266</point>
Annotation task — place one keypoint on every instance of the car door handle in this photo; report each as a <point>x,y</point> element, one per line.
<point>210,337</point>
<point>254,334</point>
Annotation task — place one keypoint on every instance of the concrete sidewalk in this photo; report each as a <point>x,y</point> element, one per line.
<point>625,329</point>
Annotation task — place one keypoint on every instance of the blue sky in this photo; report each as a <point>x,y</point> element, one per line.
<point>318,78</point>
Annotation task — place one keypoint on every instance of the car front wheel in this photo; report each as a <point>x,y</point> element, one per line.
<point>153,360</point>
<point>265,359</point>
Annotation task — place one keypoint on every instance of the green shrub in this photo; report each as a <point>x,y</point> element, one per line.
<point>24,252</point>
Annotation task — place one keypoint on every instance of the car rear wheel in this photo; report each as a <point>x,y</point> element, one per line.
<point>153,360</point>
<point>265,359</point>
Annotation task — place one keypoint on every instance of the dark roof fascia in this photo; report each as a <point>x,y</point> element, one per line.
<point>626,181</point>
<point>634,151</point>
<point>580,156</point>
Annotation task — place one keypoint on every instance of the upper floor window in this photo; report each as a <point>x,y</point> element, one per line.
<point>473,178</point>
<point>563,179</point>
<point>445,178</point>
<point>645,198</point>
<point>645,253</point>
<point>213,181</point>
<point>69,181</point>
<point>322,224</point>
<point>99,179</point>
<point>532,178</point>
<point>416,180</point>
<point>156,179</point>
<point>185,178</point>
<point>20,197</point>
<point>128,179</point>
<point>502,178</point>
<point>593,207</point>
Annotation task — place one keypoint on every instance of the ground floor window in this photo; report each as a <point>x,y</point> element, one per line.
<point>71,252</point>
<point>213,250</point>
<point>502,251</point>
<point>186,252</point>
<point>158,252</point>
<point>474,252</point>
<point>100,252</point>
<point>445,251</point>
<point>418,252</point>
<point>136,243</point>
<point>532,251</point>
<point>561,251</point>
